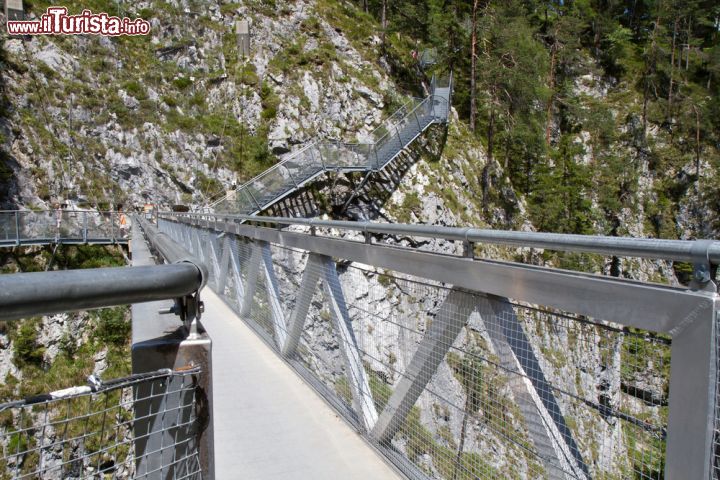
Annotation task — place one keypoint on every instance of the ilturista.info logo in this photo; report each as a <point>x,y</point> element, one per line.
<point>56,21</point>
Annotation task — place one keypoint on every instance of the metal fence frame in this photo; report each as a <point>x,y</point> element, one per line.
<point>689,315</point>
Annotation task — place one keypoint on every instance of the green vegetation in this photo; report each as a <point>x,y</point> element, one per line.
<point>112,326</point>
<point>411,204</point>
<point>27,350</point>
<point>106,328</point>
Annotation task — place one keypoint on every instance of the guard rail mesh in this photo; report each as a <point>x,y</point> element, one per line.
<point>87,432</point>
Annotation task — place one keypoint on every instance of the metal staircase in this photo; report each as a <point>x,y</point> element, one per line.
<point>389,139</point>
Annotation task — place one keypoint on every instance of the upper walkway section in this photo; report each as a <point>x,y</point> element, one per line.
<point>71,227</point>
<point>300,168</point>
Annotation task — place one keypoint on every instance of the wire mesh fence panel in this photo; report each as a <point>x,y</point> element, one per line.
<point>520,392</point>
<point>45,224</point>
<point>142,426</point>
<point>105,225</point>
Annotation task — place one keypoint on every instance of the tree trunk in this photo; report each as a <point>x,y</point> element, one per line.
<point>486,168</point>
<point>491,131</point>
<point>687,40</point>
<point>697,144</point>
<point>551,84</point>
<point>383,22</point>
<point>672,70</point>
<point>463,429</point>
<point>473,67</point>
<point>649,70</point>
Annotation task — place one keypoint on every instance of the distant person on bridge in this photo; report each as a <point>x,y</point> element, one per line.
<point>124,223</point>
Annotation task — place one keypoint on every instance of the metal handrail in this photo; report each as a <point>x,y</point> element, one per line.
<point>676,250</point>
<point>25,295</point>
<point>171,251</point>
<point>687,314</point>
<point>43,293</point>
<point>416,100</point>
<point>67,226</point>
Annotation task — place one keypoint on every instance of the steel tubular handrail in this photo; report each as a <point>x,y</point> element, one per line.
<point>43,293</point>
<point>25,295</point>
<point>675,250</point>
<point>172,251</point>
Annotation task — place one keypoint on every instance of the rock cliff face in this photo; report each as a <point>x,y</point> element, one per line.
<point>177,117</point>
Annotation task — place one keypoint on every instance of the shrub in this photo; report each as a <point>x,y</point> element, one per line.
<point>27,350</point>
<point>112,327</point>
<point>182,83</point>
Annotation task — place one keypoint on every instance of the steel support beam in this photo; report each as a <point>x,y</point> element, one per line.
<point>224,266</point>
<point>302,304</point>
<point>251,281</point>
<point>648,306</point>
<point>534,395</point>
<point>236,271</point>
<point>273,295</point>
<point>676,250</point>
<point>438,339</point>
<point>693,382</point>
<point>362,396</point>
<point>215,256</point>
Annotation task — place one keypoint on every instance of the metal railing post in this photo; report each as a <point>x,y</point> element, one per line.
<point>417,120</point>
<point>17,228</point>
<point>154,349</point>
<point>322,160</point>
<point>377,160</point>
<point>112,227</point>
<point>397,132</point>
<point>692,402</point>
<point>85,236</point>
